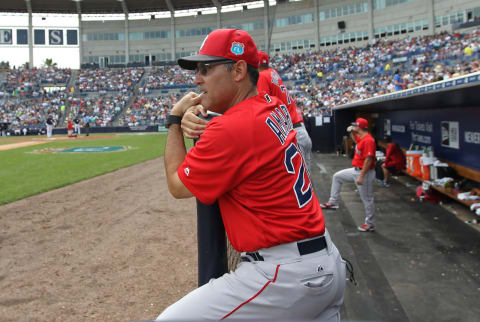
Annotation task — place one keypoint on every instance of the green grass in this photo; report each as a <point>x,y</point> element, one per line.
<point>11,139</point>
<point>23,173</point>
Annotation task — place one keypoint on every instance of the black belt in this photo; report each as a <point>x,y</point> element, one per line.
<point>299,124</point>
<point>358,169</point>
<point>304,248</point>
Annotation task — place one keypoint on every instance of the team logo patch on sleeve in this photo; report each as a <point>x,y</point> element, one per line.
<point>187,171</point>
<point>237,48</point>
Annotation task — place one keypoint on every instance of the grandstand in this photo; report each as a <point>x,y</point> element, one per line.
<point>346,54</point>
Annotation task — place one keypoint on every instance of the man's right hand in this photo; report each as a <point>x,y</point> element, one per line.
<point>192,125</point>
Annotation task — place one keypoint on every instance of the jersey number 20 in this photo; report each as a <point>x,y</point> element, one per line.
<point>302,187</point>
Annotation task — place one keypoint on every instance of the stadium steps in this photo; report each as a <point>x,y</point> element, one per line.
<point>71,81</point>
<point>134,94</point>
<point>70,84</point>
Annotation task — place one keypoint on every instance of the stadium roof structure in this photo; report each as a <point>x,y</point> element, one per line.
<point>109,6</point>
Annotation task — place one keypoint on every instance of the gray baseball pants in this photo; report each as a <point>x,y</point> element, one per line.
<point>305,144</point>
<point>365,190</point>
<point>49,130</point>
<point>285,286</point>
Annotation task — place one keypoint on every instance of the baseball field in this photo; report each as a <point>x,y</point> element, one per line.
<point>89,230</point>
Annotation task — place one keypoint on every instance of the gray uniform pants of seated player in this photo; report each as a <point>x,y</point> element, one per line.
<point>286,285</point>
<point>365,190</point>
<point>305,144</point>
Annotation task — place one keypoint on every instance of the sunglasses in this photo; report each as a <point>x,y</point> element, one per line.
<point>203,68</point>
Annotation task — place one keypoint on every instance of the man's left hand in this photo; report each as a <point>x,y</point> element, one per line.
<point>360,180</point>
<point>192,125</point>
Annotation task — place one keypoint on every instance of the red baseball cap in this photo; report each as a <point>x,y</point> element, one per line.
<point>361,123</point>
<point>222,44</point>
<point>262,58</point>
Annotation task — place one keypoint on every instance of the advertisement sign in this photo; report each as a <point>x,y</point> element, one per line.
<point>387,129</point>
<point>450,137</point>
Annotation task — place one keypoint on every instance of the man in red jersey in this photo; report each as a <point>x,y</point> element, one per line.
<point>362,173</point>
<point>394,161</point>
<point>249,160</point>
<point>270,82</point>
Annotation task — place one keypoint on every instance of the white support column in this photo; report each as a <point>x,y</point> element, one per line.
<point>127,36</point>
<point>266,22</point>
<point>173,35</point>
<point>217,4</point>
<point>173,45</point>
<point>219,17</point>
<point>30,34</point>
<point>431,16</point>
<point>80,35</point>
<point>80,39</point>
<point>317,24</point>
<point>127,40</point>
<point>371,27</point>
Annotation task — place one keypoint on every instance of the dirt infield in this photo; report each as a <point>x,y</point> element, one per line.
<point>29,141</point>
<point>113,248</point>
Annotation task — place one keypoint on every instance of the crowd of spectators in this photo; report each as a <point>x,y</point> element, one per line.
<point>28,82</point>
<point>165,77</point>
<point>105,80</point>
<point>99,110</point>
<point>148,110</point>
<point>346,75</point>
<point>32,112</point>
<point>319,80</point>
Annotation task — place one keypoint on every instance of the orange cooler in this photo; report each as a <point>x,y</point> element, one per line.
<point>426,163</point>
<point>413,162</point>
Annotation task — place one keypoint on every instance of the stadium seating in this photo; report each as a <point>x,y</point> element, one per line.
<point>319,80</point>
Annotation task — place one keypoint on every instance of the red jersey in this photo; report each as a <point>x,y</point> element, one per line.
<point>248,159</point>
<point>270,82</point>
<point>365,147</point>
<point>394,157</point>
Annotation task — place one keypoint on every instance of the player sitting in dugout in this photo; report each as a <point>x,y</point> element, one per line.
<point>394,161</point>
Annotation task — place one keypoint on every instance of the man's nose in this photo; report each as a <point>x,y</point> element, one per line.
<point>198,78</point>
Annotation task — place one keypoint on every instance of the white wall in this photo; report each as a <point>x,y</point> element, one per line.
<point>65,56</point>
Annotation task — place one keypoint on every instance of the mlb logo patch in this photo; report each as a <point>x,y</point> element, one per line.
<point>187,171</point>
<point>237,48</point>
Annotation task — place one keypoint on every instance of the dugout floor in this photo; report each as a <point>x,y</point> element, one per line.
<point>421,264</point>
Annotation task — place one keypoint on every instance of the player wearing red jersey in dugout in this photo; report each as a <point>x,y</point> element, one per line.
<point>249,160</point>
<point>362,173</point>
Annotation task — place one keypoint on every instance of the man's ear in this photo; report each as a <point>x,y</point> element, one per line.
<point>239,71</point>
